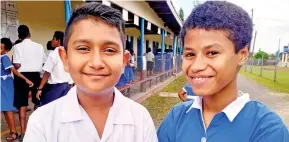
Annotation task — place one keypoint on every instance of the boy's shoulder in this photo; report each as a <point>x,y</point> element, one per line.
<point>181,109</point>
<point>57,108</point>
<point>261,113</point>
<point>267,123</point>
<point>48,111</point>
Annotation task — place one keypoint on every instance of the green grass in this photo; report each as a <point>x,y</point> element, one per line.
<point>160,106</point>
<point>267,79</point>
<point>176,85</point>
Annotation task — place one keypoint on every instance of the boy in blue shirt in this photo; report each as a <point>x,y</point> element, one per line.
<point>216,37</point>
<point>186,93</point>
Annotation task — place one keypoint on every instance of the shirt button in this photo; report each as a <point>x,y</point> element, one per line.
<point>203,139</point>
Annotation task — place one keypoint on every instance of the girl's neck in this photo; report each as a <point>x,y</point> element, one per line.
<point>217,102</point>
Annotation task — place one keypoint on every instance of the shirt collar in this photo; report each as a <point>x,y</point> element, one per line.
<point>231,111</point>
<point>120,109</point>
<point>25,40</point>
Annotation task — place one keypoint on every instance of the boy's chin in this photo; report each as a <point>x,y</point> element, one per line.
<point>97,90</point>
<point>203,92</point>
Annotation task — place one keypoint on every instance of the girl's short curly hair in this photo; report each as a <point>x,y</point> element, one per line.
<point>221,15</point>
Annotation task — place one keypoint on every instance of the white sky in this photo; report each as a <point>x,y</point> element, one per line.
<point>271,19</point>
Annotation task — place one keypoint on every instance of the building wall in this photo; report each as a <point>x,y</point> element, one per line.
<point>42,18</point>
<point>45,17</point>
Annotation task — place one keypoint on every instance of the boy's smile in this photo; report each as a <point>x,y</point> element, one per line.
<point>95,56</point>
<point>210,61</point>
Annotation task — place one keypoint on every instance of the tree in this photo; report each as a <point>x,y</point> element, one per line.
<point>261,54</point>
<point>181,14</point>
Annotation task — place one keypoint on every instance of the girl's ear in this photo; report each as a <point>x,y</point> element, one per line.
<point>243,55</point>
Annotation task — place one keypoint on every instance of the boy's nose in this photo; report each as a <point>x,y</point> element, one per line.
<point>198,64</point>
<point>96,61</point>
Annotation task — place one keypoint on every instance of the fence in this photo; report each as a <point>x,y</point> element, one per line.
<point>268,69</point>
<point>139,80</point>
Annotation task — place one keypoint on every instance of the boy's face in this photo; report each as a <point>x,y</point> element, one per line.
<point>95,57</point>
<point>210,62</point>
<point>55,43</point>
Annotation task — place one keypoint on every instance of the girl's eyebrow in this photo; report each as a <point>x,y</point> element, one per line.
<point>205,47</point>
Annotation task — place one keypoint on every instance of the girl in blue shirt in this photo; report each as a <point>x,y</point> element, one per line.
<point>7,87</point>
<point>186,93</point>
<point>216,38</point>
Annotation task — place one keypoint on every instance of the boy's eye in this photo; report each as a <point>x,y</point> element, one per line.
<point>189,54</point>
<point>212,53</point>
<point>109,50</point>
<point>83,48</point>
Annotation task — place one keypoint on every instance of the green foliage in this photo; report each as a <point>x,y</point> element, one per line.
<point>261,54</point>
<point>181,14</point>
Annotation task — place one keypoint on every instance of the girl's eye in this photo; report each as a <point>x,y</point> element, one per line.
<point>189,54</point>
<point>213,53</point>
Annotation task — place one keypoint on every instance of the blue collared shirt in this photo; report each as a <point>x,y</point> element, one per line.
<point>241,121</point>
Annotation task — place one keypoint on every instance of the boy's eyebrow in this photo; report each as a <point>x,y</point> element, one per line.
<point>106,42</point>
<point>81,41</point>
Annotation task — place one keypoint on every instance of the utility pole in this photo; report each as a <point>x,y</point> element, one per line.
<point>275,70</point>
<point>255,35</point>
<point>251,56</point>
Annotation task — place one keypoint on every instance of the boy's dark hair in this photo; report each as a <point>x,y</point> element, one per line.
<point>17,41</point>
<point>49,46</point>
<point>149,49</point>
<point>221,15</point>
<point>59,35</point>
<point>7,42</point>
<point>23,32</point>
<point>97,11</point>
<point>131,51</point>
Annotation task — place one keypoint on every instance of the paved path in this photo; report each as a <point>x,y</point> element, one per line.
<point>278,102</point>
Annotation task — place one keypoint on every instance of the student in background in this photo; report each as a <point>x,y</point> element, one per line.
<point>216,36</point>
<point>49,48</point>
<point>150,58</point>
<point>7,87</point>
<point>17,41</point>
<point>55,81</point>
<point>94,110</point>
<point>186,93</point>
<point>131,67</point>
<point>28,58</point>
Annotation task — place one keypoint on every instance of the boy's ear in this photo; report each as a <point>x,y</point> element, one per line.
<point>125,59</point>
<point>63,55</point>
<point>243,55</point>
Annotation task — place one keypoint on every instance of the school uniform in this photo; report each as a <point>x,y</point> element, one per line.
<point>58,81</point>
<point>64,120</point>
<point>189,92</point>
<point>7,87</point>
<point>129,70</point>
<point>241,121</point>
<point>150,61</point>
<point>31,56</point>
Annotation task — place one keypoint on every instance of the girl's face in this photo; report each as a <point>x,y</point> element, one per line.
<point>210,62</point>
<point>3,51</point>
